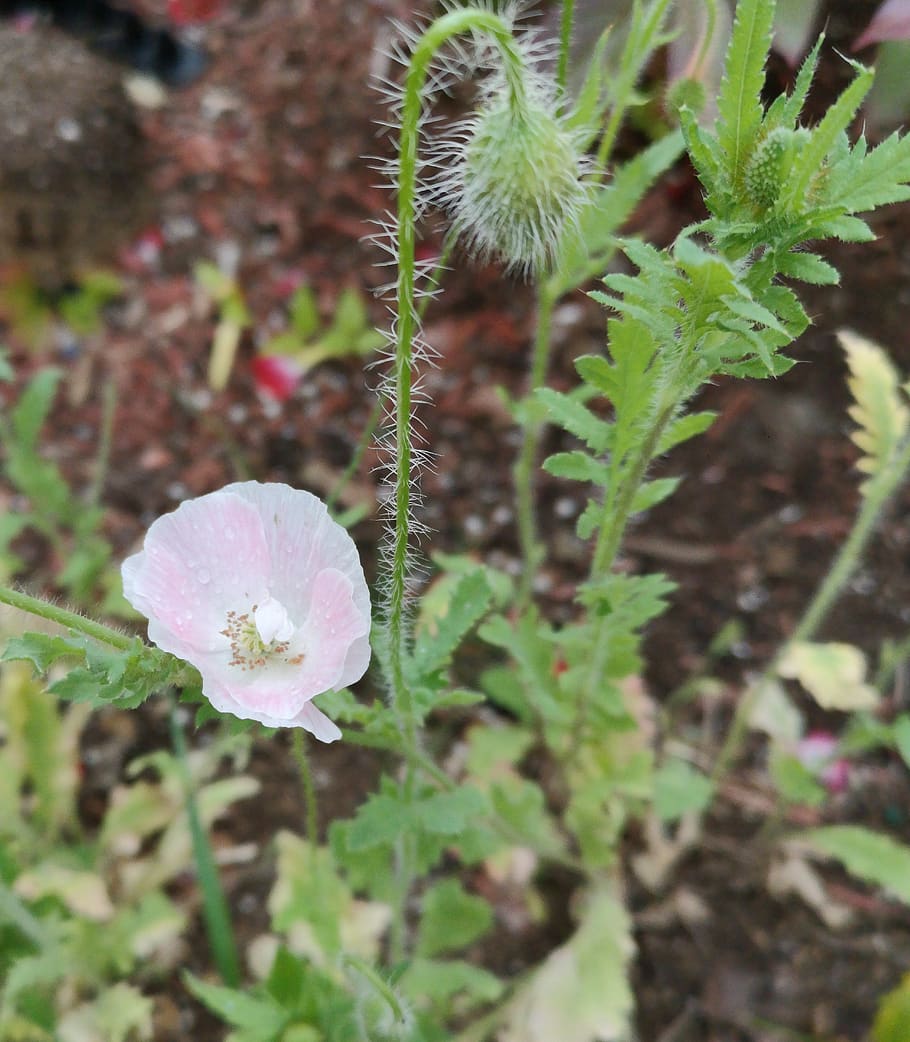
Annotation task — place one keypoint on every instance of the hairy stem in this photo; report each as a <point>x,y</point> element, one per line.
<point>565,40</point>
<point>70,619</point>
<point>311,799</point>
<point>523,472</point>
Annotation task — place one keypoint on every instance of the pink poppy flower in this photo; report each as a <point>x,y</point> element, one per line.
<point>277,375</point>
<point>264,594</point>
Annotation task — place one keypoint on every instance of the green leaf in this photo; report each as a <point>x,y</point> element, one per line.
<point>33,406</point>
<point>438,982</point>
<point>581,992</point>
<point>684,428</point>
<point>680,789</point>
<point>808,268</point>
<point>574,416</point>
<point>451,918</point>
<point>892,1022</point>
<point>650,493</point>
<point>872,856</point>
<point>739,102</point>
<point>441,630</point>
<point>41,649</point>
<point>879,410</point>
<point>238,1008</point>
<point>577,466</point>
<point>793,780</point>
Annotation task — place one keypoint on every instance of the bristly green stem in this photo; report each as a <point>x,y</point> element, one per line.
<point>311,799</point>
<point>70,619</point>
<point>523,471</point>
<point>407,320</point>
<point>456,22</point>
<point>879,491</point>
<point>617,509</point>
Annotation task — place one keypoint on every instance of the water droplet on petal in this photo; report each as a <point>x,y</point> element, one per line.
<point>204,576</point>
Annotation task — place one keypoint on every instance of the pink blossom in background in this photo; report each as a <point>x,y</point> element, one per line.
<point>276,375</point>
<point>890,22</point>
<point>260,590</point>
<point>818,752</point>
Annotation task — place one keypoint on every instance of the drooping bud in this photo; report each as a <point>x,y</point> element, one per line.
<point>520,184</point>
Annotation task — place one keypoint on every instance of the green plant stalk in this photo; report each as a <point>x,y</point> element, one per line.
<point>879,491</point>
<point>70,619</point>
<point>617,509</point>
<point>454,23</point>
<point>309,787</point>
<point>638,48</point>
<point>565,40</point>
<point>532,552</point>
<point>215,912</point>
<point>407,319</point>
<point>380,986</point>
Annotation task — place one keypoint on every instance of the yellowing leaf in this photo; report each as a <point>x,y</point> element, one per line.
<point>879,410</point>
<point>833,674</point>
<point>83,893</point>
<point>581,992</point>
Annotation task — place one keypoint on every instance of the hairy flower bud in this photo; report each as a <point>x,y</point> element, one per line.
<point>770,164</point>
<point>520,185</point>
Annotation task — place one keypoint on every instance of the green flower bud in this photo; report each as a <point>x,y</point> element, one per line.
<point>519,183</point>
<point>769,165</point>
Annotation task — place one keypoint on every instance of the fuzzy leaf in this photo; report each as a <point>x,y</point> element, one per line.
<point>680,789</point>
<point>808,268</point>
<point>33,407</point>
<point>684,428</point>
<point>575,417</point>
<point>879,410</point>
<point>739,104</point>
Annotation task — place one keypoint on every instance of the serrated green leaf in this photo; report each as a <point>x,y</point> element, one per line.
<point>439,632</point>
<point>450,919</point>
<point>807,267</point>
<point>872,856</point>
<point>879,408</point>
<point>739,101</point>
<point>574,416</point>
<point>41,649</point>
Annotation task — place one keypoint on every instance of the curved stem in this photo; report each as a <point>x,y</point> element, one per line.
<point>459,21</point>
<point>70,619</point>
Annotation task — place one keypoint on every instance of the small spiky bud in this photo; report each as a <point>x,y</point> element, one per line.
<point>519,183</point>
<point>770,165</point>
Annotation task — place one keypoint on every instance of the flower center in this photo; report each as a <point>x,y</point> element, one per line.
<point>257,635</point>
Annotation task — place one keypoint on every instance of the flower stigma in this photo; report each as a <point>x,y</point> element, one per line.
<point>262,633</point>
